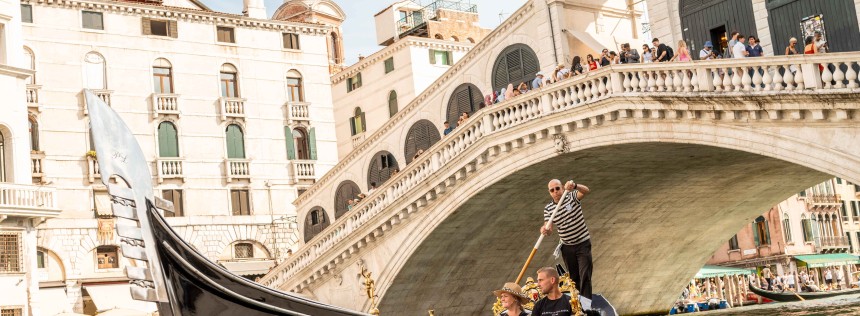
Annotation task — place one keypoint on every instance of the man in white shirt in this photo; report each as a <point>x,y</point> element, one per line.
<point>740,49</point>
<point>707,53</point>
<point>821,46</point>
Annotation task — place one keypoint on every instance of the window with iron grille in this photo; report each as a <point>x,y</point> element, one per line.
<point>10,311</point>
<point>243,251</point>
<point>10,252</point>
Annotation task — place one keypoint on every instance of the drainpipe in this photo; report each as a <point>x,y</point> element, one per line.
<point>552,34</point>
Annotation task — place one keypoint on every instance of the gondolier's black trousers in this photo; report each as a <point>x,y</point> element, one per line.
<point>577,258</point>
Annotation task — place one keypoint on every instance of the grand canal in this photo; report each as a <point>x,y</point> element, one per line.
<point>847,305</point>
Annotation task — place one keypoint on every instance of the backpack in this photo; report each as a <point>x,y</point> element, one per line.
<point>669,53</point>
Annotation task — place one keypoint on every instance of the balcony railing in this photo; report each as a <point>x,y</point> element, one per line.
<point>299,111</point>
<point>28,200</point>
<point>232,107</point>
<point>37,162</point>
<point>169,168</point>
<point>165,104</point>
<point>831,243</point>
<point>429,12</point>
<point>33,96</point>
<point>357,139</point>
<point>93,172</point>
<point>105,95</point>
<point>824,202</point>
<point>238,169</point>
<point>303,169</point>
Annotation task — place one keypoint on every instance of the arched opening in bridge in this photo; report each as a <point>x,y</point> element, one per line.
<point>714,21</point>
<point>315,222</point>
<point>421,136</point>
<point>466,98</point>
<point>346,190</point>
<point>516,63</point>
<point>381,168</point>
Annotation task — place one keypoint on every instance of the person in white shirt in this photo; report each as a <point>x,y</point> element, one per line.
<point>740,49</point>
<point>707,53</point>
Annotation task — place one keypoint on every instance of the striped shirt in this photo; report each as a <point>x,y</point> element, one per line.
<point>569,220</point>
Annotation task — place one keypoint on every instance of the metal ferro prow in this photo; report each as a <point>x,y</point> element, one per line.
<point>119,155</point>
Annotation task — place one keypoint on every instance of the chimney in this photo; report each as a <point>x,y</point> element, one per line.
<point>255,9</point>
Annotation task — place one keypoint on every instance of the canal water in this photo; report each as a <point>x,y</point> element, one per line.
<point>846,305</point>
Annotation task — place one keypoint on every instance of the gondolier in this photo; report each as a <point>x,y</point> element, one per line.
<point>575,239</point>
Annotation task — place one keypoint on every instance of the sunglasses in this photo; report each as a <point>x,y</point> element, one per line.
<point>554,189</point>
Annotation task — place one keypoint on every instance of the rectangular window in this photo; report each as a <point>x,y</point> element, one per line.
<point>291,41</point>
<point>838,180</point>
<point>10,311</point>
<point>845,210</point>
<point>229,88</point>
<point>389,65</point>
<point>807,230</point>
<point>441,57</point>
<point>162,80</point>
<point>240,203</point>
<point>92,20</point>
<point>10,252</point>
<point>856,210</point>
<point>159,27</point>
<point>174,196</point>
<point>353,83</point>
<point>294,89</point>
<point>802,193</point>
<point>106,257</point>
<point>226,35</point>
<point>733,243</point>
<point>26,13</point>
<point>763,233</point>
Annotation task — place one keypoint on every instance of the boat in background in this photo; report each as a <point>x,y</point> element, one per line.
<point>788,296</point>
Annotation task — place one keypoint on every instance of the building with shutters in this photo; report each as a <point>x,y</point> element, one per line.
<point>233,112</point>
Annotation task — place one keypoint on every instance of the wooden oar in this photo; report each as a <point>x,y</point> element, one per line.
<point>540,239</point>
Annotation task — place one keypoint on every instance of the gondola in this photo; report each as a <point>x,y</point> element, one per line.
<point>788,296</point>
<point>166,269</point>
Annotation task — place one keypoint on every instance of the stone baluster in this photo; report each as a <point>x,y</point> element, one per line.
<point>838,75</point>
<point>595,91</point>
<point>661,81</point>
<point>798,78</point>
<point>718,80</point>
<point>678,80</point>
<point>643,81</point>
<point>767,79</point>
<point>634,81</point>
<point>851,75</point>
<point>694,80</point>
<point>777,78</point>
<point>737,79</point>
<point>728,77</point>
<point>746,79</point>
<point>627,84</point>
<point>826,76</point>
<point>788,77</point>
<point>756,78</point>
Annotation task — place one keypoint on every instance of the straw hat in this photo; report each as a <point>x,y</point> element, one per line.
<point>512,289</point>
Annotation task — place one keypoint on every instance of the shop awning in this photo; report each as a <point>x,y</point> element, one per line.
<point>49,299</point>
<point>718,271</point>
<point>117,296</point>
<point>828,260</point>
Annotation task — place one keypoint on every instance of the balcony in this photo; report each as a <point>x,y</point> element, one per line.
<point>824,203</point>
<point>27,201</point>
<point>37,162</point>
<point>232,108</point>
<point>105,95</point>
<point>303,170</point>
<point>429,13</point>
<point>165,104</point>
<point>33,97</point>
<point>93,172</point>
<point>357,140</point>
<point>169,168</point>
<point>238,169</point>
<point>298,111</point>
<point>831,244</point>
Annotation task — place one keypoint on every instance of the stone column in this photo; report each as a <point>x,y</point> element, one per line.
<point>763,27</point>
<point>31,267</point>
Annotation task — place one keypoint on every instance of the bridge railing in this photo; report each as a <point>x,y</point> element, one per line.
<point>760,76</point>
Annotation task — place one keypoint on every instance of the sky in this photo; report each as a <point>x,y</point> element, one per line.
<point>359,30</point>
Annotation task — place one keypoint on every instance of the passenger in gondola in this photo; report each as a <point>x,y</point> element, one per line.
<point>513,299</point>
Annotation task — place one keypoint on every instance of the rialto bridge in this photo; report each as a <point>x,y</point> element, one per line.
<point>679,156</point>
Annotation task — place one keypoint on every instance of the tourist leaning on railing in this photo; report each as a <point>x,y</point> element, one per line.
<point>647,54</point>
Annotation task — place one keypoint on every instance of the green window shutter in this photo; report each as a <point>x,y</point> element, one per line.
<point>450,58</point>
<point>358,80</point>
<point>348,85</point>
<point>766,234</point>
<point>755,234</point>
<point>352,126</point>
<point>363,123</point>
<point>167,140</point>
<point>235,143</point>
<point>291,146</point>
<point>312,143</point>
<point>432,57</point>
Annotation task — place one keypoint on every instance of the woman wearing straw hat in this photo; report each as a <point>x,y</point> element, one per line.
<point>512,299</point>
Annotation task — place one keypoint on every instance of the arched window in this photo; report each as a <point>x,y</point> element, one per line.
<point>162,76</point>
<point>786,227</point>
<point>466,98</point>
<point>34,134</point>
<point>517,63</point>
<point>31,63</point>
<point>235,142</point>
<point>315,222</point>
<point>392,103</point>
<point>438,36</point>
<point>357,123</point>
<point>421,136</point>
<point>471,40</point>
<point>229,81</point>
<point>335,48</point>
<point>301,143</point>
<point>381,168</point>
<point>806,227</point>
<point>346,191</point>
<point>295,90</point>
<point>455,38</point>
<point>168,141</point>
<point>300,138</point>
<point>95,71</point>
<point>2,158</point>
<point>761,232</point>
